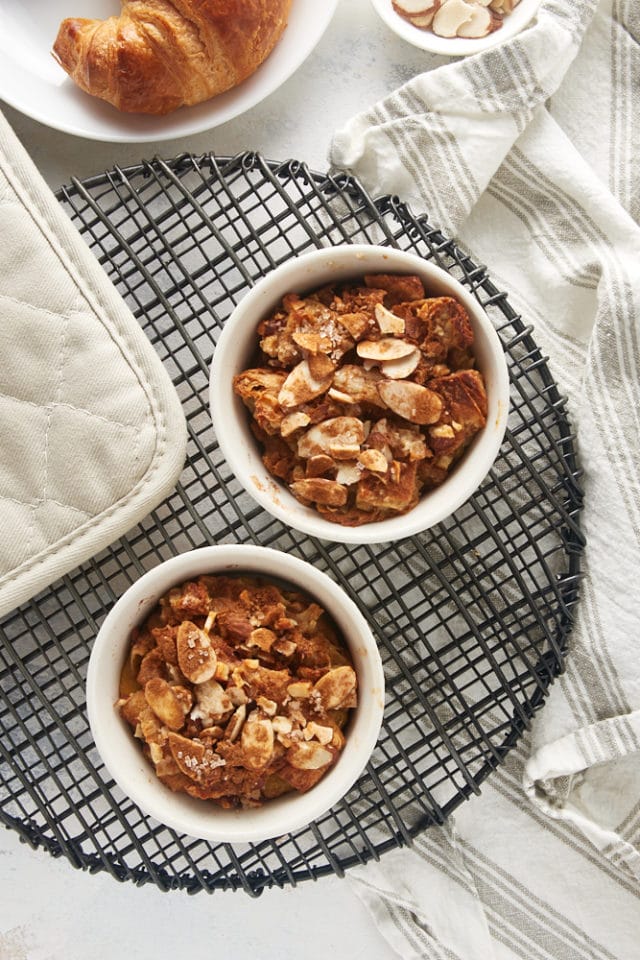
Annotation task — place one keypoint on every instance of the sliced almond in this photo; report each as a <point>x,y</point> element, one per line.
<point>267,706</point>
<point>132,706</point>
<point>387,348</point>
<point>355,323</point>
<point>320,464</point>
<point>150,728</point>
<point>450,17</point>
<point>257,742</point>
<point>236,695</point>
<point>236,723</point>
<point>281,724</point>
<point>312,342</point>
<point>483,22</point>
<point>348,472</point>
<point>338,437</point>
<point>401,368</point>
<point>188,754</point>
<point>316,731</point>
<point>318,490</point>
<point>409,400</point>
<point>196,657</point>
<point>374,460</point>
<point>419,12</point>
<point>320,366</point>
<point>443,431</point>
<point>339,396</point>
<point>387,321</point>
<point>301,387</point>
<point>337,688</point>
<point>361,385</point>
<point>212,703</point>
<point>300,689</point>
<point>167,703</point>
<point>309,756</point>
<point>294,421</point>
<point>424,20</point>
<point>412,7</point>
<point>286,648</point>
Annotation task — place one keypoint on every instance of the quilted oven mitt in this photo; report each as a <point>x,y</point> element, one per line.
<point>92,434</point>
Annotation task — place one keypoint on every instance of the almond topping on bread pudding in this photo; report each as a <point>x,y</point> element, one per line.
<point>360,432</point>
<point>255,702</point>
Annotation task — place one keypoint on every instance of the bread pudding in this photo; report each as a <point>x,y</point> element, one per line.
<point>364,395</point>
<point>239,689</point>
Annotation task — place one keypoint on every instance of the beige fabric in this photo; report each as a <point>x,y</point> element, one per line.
<point>92,435</point>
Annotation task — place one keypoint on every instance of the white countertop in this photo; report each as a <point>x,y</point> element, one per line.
<point>49,911</point>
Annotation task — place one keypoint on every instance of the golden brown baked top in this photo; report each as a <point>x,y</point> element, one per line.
<point>158,55</point>
<point>239,690</point>
<point>364,395</point>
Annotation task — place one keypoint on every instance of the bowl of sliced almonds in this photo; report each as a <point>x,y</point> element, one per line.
<point>359,393</point>
<point>235,693</point>
<point>456,28</point>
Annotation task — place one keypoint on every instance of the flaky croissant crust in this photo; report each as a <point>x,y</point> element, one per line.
<point>158,55</point>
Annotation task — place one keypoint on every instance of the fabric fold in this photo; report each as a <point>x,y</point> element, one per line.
<point>501,881</point>
<point>439,139</point>
<point>591,779</point>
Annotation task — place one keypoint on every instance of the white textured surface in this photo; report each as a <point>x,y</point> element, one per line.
<point>48,911</point>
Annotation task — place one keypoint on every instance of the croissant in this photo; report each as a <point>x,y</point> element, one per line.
<point>158,55</point>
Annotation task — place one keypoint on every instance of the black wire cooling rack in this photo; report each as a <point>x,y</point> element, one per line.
<point>472,617</point>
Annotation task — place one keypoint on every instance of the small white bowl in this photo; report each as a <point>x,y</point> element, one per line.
<point>122,753</point>
<point>513,23</point>
<point>236,349</point>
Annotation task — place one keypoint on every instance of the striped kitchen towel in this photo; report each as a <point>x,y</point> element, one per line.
<point>528,155</point>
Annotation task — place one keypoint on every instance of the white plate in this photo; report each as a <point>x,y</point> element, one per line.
<point>33,83</point>
<point>456,46</point>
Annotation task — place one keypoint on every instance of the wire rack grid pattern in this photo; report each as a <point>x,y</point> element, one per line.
<point>472,617</point>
